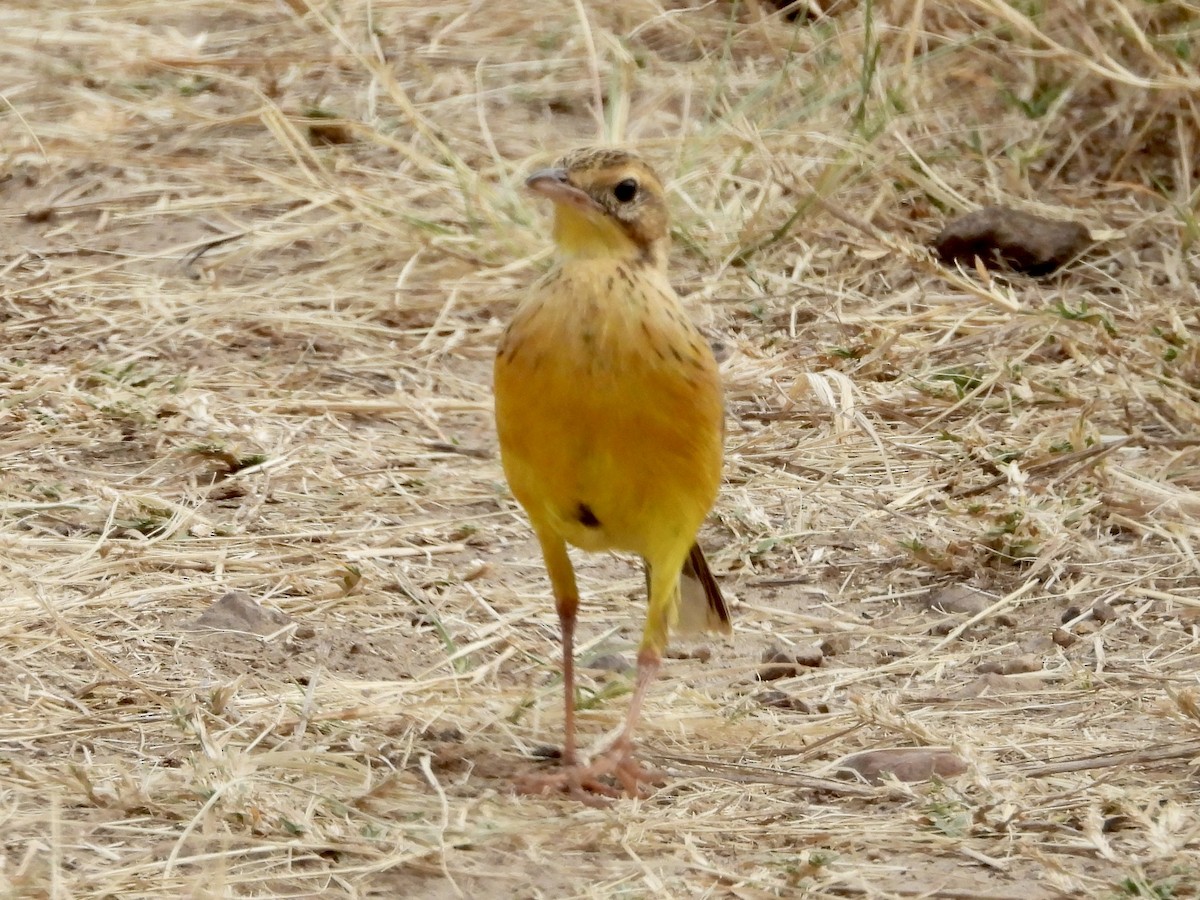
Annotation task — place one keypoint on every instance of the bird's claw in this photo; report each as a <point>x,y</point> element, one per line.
<point>596,783</point>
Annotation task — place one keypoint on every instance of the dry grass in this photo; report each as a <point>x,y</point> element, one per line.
<point>256,258</point>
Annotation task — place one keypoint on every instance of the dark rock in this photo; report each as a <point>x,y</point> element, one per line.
<point>1008,238</point>
<point>778,662</point>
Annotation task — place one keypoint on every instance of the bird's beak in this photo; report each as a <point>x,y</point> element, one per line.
<point>555,185</point>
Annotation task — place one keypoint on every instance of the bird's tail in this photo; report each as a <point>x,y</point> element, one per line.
<point>701,606</point>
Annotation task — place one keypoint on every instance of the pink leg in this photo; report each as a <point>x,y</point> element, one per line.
<point>566,621</point>
<point>620,758</point>
<point>592,782</point>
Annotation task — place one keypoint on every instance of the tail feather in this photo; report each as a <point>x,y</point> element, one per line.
<point>701,604</point>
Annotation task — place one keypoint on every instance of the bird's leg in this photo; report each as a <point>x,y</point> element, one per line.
<point>648,664</point>
<point>619,759</point>
<point>566,603</point>
<point>566,623</point>
<point>572,779</point>
<point>589,783</point>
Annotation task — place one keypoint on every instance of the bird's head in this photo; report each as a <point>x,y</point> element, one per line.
<point>606,203</point>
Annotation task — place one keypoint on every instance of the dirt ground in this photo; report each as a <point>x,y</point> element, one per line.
<point>275,627</point>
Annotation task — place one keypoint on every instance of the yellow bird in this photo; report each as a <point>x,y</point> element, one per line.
<point>611,423</point>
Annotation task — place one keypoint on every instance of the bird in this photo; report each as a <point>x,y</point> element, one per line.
<point>610,417</point>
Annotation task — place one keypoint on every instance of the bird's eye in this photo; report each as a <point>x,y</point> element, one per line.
<point>625,190</point>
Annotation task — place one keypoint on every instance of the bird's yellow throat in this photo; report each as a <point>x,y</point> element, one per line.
<point>580,234</point>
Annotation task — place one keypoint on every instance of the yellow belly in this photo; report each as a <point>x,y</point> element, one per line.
<point>609,412</point>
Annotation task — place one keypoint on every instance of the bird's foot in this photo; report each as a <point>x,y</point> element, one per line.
<point>614,773</point>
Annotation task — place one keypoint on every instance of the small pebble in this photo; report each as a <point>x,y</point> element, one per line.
<point>1102,611</point>
<point>609,662</point>
<point>776,665</point>
<point>777,699</point>
<point>958,598</point>
<point>329,133</point>
<point>1063,638</point>
<point>908,765</point>
<point>943,628</point>
<point>780,663</point>
<point>238,612</point>
<point>1020,665</point>
<point>449,735</point>
<point>835,644</point>
<point>703,654</point>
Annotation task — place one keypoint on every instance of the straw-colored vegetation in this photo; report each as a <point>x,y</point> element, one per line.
<point>256,257</point>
